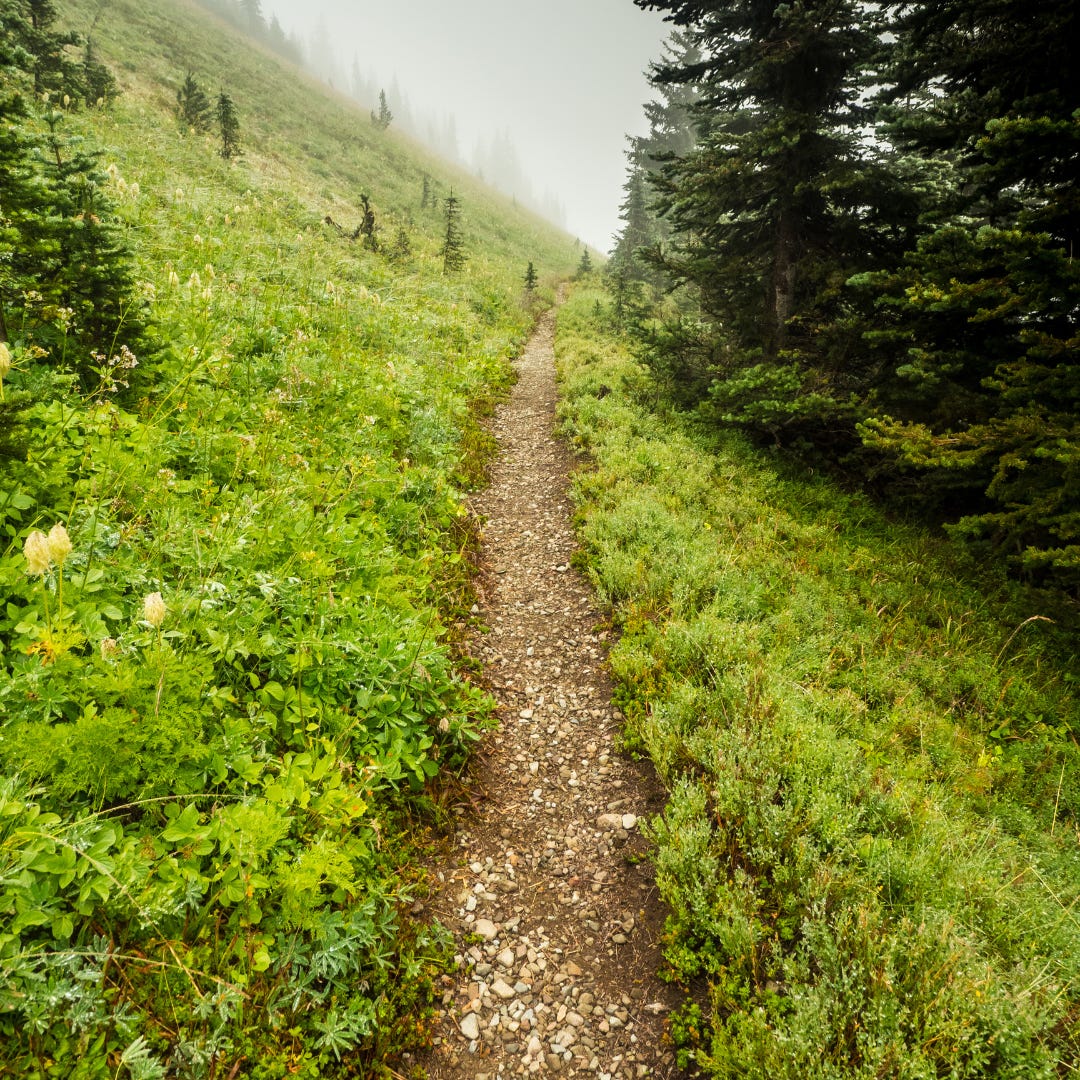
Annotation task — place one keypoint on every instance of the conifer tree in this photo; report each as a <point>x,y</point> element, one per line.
<point>228,126</point>
<point>425,194</point>
<point>384,117</point>
<point>30,24</point>
<point>976,329</point>
<point>98,82</point>
<point>530,278</point>
<point>193,106</point>
<point>453,249</point>
<point>775,206</point>
<point>585,266</point>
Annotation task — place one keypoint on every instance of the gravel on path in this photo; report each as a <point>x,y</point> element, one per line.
<point>549,896</point>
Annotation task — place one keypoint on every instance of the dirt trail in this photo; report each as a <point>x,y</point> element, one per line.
<point>553,909</point>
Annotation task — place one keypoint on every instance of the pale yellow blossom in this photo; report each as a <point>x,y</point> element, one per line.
<point>5,360</point>
<point>37,554</point>
<point>59,544</point>
<point>154,609</point>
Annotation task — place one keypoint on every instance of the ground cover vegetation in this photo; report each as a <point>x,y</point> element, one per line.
<point>233,449</point>
<point>871,851</point>
<point>852,233</point>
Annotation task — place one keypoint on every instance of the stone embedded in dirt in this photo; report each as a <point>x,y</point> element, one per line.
<point>470,1027</point>
<point>486,929</point>
<point>629,821</point>
<point>609,822</point>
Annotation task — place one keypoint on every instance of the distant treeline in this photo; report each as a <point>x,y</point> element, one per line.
<point>852,232</point>
<point>247,15</point>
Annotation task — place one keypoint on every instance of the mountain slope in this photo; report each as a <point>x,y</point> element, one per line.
<point>229,558</point>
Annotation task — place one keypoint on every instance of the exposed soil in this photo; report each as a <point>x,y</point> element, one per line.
<point>552,904</point>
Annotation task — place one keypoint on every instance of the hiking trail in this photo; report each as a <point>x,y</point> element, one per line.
<point>550,899</point>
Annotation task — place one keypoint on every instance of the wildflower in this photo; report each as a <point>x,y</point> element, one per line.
<point>196,239</point>
<point>113,170</point>
<point>153,609</point>
<point>228,220</point>
<point>135,189</point>
<point>210,273</point>
<point>5,361</point>
<point>110,647</point>
<point>67,101</point>
<point>59,544</point>
<point>444,725</point>
<point>195,282</point>
<point>121,185</point>
<point>207,293</point>
<point>174,279</point>
<point>37,554</point>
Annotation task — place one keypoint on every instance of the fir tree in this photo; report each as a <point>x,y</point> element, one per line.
<point>585,266</point>
<point>777,203</point>
<point>384,117</point>
<point>402,246</point>
<point>98,83</point>
<point>30,24</point>
<point>453,249</point>
<point>193,106</point>
<point>228,126</point>
<point>530,278</point>
<point>425,194</point>
<point>976,329</point>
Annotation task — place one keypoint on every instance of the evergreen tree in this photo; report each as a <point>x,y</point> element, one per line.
<point>402,246</point>
<point>98,83</point>
<point>777,203</point>
<point>639,235</point>
<point>530,278</point>
<point>30,25</point>
<point>425,194</point>
<point>228,126</point>
<point>384,117</point>
<point>976,330</point>
<point>453,249</point>
<point>585,266</point>
<point>193,106</point>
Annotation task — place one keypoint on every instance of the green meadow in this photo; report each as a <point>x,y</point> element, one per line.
<point>871,851</point>
<point>228,680</point>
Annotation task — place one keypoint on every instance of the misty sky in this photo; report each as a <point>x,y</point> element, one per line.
<point>565,76</point>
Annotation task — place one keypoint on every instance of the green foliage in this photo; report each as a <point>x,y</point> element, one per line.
<point>869,853</point>
<point>530,278</point>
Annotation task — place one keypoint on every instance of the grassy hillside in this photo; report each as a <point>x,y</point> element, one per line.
<point>225,679</point>
<point>871,847</point>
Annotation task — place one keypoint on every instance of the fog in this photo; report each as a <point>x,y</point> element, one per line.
<point>547,91</point>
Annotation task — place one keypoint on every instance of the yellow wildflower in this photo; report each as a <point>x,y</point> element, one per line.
<point>154,609</point>
<point>37,554</point>
<point>5,360</point>
<point>59,544</point>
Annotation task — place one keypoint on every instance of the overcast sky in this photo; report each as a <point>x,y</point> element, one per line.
<point>565,76</point>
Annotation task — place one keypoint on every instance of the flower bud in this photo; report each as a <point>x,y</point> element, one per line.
<point>37,554</point>
<point>59,544</point>
<point>154,609</point>
<point>5,360</point>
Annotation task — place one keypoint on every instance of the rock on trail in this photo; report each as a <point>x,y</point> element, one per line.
<point>553,908</point>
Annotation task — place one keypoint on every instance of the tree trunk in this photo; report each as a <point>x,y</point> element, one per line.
<point>782,301</point>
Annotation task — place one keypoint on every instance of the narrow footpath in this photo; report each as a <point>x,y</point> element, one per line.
<point>550,899</point>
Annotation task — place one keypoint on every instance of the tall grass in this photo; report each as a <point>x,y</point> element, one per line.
<point>871,849</point>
